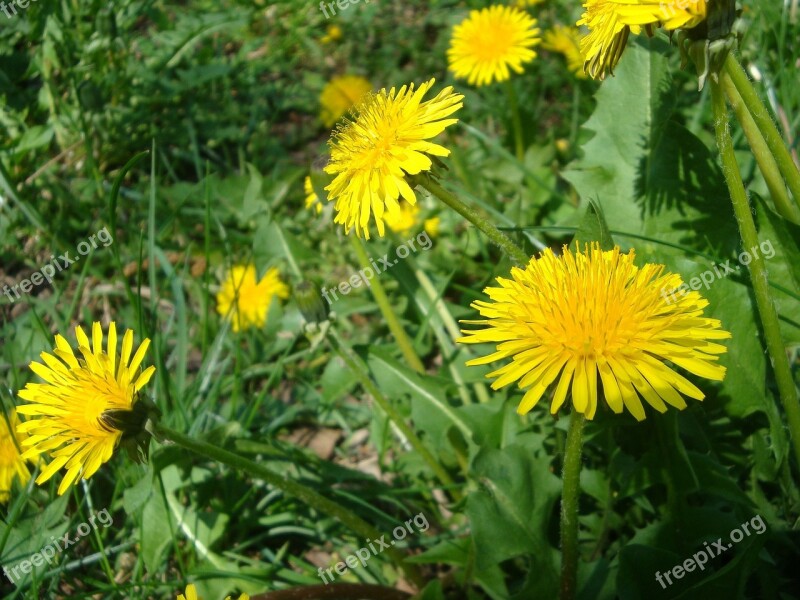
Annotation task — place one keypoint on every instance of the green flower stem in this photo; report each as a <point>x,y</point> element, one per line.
<point>400,336</point>
<point>758,269</point>
<point>357,366</point>
<point>761,116</point>
<point>289,486</point>
<point>514,252</point>
<point>516,120</point>
<point>764,158</point>
<point>569,506</point>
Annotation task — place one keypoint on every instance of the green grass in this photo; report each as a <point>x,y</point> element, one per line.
<point>187,129</point>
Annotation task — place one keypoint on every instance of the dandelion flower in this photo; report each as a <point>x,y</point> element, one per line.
<point>78,414</point>
<point>566,41</point>
<point>371,156</point>
<point>248,300</point>
<point>312,200</point>
<point>570,318</point>
<point>404,218</point>
<point>191,594</point>
<point>432,226</point>
<point>407,218</point>
<point>339,95</point>
<point>610,22</point>
<point>333,34</point>
<point>11,462</point>
<point>490,43</point>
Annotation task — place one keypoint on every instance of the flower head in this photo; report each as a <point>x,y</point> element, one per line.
<point>404,218</point>
<point>332,34</point>
<point>408,217</point>
<point>573,317</point>
<point>11,462</point>
<point>490,43</point>
<point>248,300</point>
<point>86,406</point>
<point>432,226</point>
<point>191,594</point>
<point>565,41</point>
<point>339,95</point>
<point>610,22</point>
<point>312,200</point>
<point>371,156</point>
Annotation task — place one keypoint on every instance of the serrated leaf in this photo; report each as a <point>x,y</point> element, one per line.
<point>509,514</point>
<point>650,174</point>
<point>780,247</point>
<point>593,227</point>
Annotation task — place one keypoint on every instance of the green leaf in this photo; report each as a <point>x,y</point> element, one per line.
<point>593,227</point>
<point>271,241</point>
<point>653,175</point>
<point>780,247</point>
<point>431,410</point>
<point>509,514</point>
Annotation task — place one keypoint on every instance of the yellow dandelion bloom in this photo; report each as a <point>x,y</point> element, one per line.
<point>610,22</point>
<point>339,95</point>
<point>432,226</point>
<point>573,317</point>
<point>191,594</point>
<point>566,41</point>
<point>312,200</point>
<point>492,42</point>
<point>371,156</point>
<point>11,462</point>
<point>403,218</point>
<point>78,411</point>
<point>247,300</point>
<point>333,34</point>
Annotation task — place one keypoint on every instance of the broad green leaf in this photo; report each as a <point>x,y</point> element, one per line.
<point>431,409</point>
<point>648,172</point>
<point>780,247</point>
<point>512,510</point>
<point>271,241</point>
<point>593,227</point>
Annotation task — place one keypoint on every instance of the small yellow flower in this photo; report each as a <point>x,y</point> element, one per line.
<point>191,594</point>
<point>246,300</point>
<point>312,200</point>
<point>333,34</point>
<point>490,43</point>
<point>610,22</point>
<point>339,95</point>
<point>11,462</point>
<point>371,156</point>
<point>432,226</point>
<point>566,41</point>
<point>77,413</point>
<point>403,218</point>
<point>573,317</point>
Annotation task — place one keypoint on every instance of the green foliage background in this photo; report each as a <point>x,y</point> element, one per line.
<point>222,97</point>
